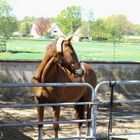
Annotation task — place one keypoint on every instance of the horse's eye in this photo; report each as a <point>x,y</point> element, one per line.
<point>72,66</point>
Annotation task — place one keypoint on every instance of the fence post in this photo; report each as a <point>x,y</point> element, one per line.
<point>112,85</point>
<point>93,116</point>
<point>2,46</point>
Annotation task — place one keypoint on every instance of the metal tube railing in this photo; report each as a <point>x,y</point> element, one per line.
<point>93,111</point>
<point>94,103</point>
<point>119,101</point>
<point>48,122</point>
<point>125,82</point>
<point>45,105</point>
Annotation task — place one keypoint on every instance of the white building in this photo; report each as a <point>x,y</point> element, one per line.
<point>34,31</point>
<point>54,31</point>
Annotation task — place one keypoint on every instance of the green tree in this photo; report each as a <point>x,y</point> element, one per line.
<point>5,9</point>
<point>30,19</point>
<point>8,22</point>
<point>136,28</point>
<point>118,25</point>
<point>25,28</point>
<point>26,25</point>
<point>70,19</point>
<point>100,31</point>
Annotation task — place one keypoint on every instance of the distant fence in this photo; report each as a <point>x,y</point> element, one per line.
<point>94,103</point>
<point>2,46</point>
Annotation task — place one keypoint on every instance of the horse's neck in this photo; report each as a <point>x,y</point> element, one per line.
<point>48,70</point>
<point>53,71</point>
<point>49,53</point>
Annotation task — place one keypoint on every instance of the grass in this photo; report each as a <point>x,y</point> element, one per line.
<point>34,50</point>
<point>107,51</point>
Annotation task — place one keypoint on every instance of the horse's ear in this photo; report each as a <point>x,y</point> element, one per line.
<point>69,39</point>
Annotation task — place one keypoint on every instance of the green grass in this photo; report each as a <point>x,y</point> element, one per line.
<point>109,52</point>
<point>34,50</point>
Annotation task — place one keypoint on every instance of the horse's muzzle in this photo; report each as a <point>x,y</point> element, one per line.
<point>79,72</point>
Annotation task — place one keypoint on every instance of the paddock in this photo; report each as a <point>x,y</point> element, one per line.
<point>29,132</point>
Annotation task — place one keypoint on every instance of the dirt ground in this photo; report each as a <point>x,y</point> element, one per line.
<point>11,115</point>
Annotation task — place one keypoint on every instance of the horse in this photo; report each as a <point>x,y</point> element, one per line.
<point>60,64</point>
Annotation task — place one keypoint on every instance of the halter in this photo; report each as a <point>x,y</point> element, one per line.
<point>59,49</point>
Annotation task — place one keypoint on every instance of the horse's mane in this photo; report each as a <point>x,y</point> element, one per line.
<point>51,45</point>
<point>50,51</point>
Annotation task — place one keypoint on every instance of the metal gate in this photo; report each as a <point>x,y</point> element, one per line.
<point>93,120</point>
<point>129,82</point>
<point>94,103</point>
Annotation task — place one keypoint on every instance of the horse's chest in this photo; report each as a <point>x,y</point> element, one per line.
<point>67,94</point>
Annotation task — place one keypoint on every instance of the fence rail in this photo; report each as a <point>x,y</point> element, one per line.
<point>127,82</point>
<point>50,104</point>
<point>94,102</point>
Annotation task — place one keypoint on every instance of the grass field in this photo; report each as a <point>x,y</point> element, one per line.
<point>34,50</point>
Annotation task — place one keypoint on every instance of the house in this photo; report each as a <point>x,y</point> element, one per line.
<point>81,33</point>
<point>53,31</point>
<point>34,31</point>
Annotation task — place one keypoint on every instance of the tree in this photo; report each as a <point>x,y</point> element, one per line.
<point>136,28</point>
<point>117,25</point>
<point>70,19</point>
<point>5,9</point>
<point>25,28</point>
<point>26,25</point>
<point>8,22</point>
<point>43,25</point>
<point>30,19</point>
<point>100,31</point>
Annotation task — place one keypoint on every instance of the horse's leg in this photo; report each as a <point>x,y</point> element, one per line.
<point>40,110</point>
<point>79,115</point>
<point>87,98</point>
<point>56,114</point>
<point>40,119</point>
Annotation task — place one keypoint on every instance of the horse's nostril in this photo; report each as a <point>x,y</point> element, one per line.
<point>79,73</point>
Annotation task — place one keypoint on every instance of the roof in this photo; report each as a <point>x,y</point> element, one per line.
<point>81,31</point>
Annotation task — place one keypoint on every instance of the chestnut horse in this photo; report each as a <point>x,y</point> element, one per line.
<point>60,64</point>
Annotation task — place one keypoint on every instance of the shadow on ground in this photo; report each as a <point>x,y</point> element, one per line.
<point>6,133</point>
<point>20,51</point>
<point>112,139</point>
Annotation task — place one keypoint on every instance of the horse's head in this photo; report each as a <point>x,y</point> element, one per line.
<point>69,57</point>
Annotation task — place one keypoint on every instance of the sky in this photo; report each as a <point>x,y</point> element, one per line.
<point>101,8</point>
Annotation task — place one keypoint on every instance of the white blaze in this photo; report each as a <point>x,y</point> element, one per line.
<point>58,44</point>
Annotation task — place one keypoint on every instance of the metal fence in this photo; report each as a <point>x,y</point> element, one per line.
<point>94,102</point>
<point>129,82</point>
<point>92,120</point>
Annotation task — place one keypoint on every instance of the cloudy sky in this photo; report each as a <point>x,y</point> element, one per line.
<point>101,8</point>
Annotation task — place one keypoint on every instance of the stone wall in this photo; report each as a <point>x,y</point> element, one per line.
<point>23,71</point>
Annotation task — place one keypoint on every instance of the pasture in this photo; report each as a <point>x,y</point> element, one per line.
<point>29,49</point>
<point>98,51</point>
